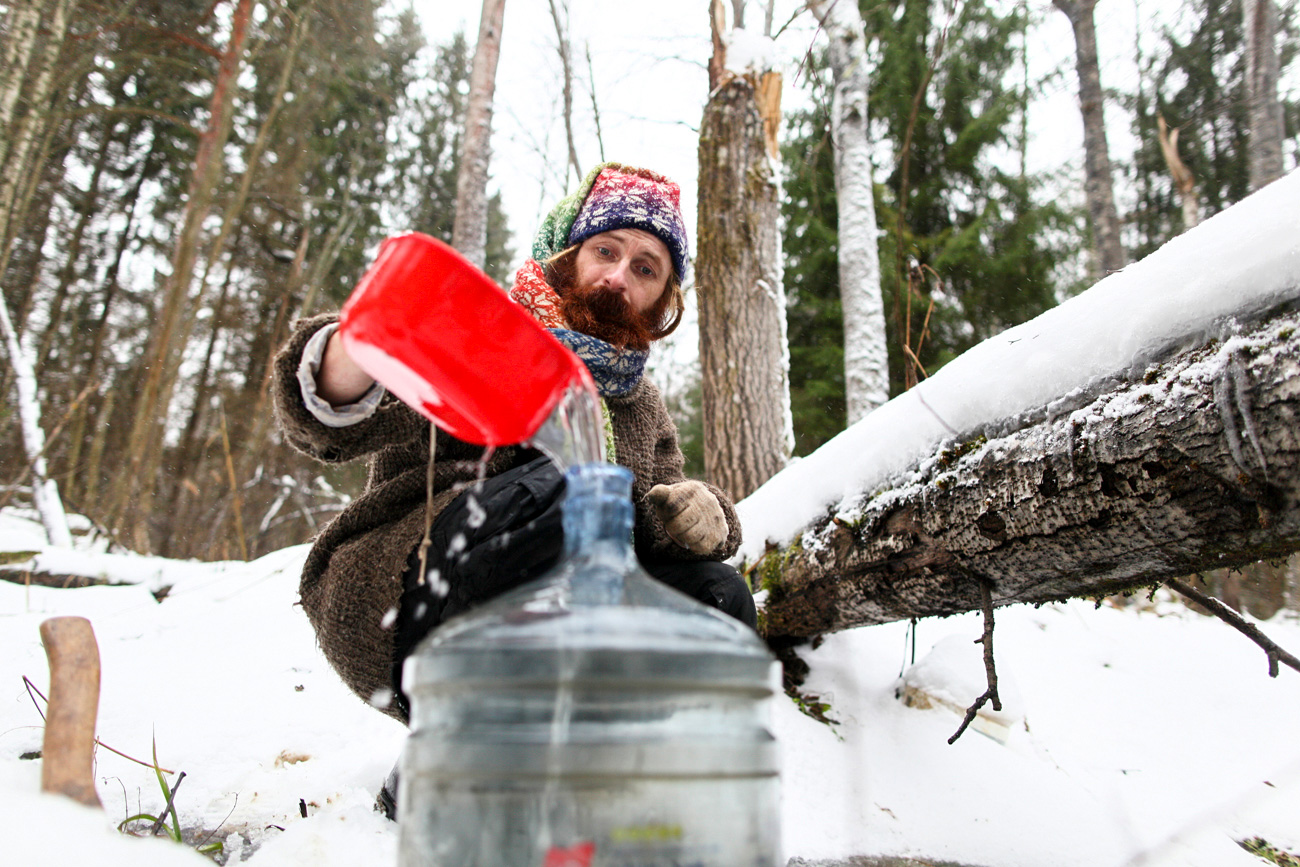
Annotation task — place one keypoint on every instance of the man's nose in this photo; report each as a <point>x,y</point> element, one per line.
<point>616,275</point>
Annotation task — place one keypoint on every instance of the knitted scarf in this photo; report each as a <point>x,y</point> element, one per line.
<point>616,371</point>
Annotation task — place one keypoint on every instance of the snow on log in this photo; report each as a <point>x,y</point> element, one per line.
<point>1192,463</point>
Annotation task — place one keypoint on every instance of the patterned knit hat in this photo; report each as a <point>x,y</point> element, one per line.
<point>615,196</point>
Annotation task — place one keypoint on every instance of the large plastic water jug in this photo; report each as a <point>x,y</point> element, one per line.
<point>593,718</point>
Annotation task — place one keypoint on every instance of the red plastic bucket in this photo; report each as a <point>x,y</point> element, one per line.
<point>449,342</point>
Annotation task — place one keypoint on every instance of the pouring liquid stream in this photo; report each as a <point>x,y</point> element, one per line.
<point>574,433</point>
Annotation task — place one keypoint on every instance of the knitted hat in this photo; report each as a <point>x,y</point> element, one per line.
<point>615,196</point>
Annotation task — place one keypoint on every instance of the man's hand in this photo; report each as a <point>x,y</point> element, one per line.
<point>691,515</point>
<point>340,380</point>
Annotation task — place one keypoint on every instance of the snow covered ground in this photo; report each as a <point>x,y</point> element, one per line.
<point>1148,735</point>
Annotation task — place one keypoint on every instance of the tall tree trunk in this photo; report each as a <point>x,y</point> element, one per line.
<point>744,353</point>
<point>24,21</point>
<point>230,222</point>
<point>866,355</point>
<point>1098,180</point>
<point>133,499</point>
<point>1262,66</point>
<point>469,232</point>
<point>24,135</point>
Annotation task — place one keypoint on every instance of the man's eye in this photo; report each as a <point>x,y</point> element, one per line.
<point>604,251</point>
<point>647,271</point>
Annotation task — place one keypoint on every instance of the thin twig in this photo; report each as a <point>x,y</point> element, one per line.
<point>162,817</point>
<point>916,362</point>
<point>201,843</point>
<point>31,687</point>
<point>1227,615</point>
<point>952,430</point>
<point>991,694</point>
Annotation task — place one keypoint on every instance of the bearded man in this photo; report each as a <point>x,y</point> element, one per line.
<point>606,278</point>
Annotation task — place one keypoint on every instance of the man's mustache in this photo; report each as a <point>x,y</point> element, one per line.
<point>605,314</point>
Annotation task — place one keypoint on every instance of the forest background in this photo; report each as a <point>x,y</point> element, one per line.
<point>181,180</point>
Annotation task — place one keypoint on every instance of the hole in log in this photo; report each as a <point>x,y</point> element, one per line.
<point>991,525</point>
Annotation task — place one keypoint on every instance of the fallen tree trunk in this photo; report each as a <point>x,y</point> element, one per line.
<point>1194,465</point>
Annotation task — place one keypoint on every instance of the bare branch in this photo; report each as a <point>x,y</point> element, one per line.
<point>990,671</point>
<point>595,106</point>
<point>566,65</point>
<point>1235,620</point>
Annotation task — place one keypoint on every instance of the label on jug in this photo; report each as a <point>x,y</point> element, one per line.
<point>570,856</point>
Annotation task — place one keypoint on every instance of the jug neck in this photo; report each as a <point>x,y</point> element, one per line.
<point>598,510</point>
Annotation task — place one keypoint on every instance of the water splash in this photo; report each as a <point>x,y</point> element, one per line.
<point>574,433</point>
<point>437,586</point>
<point>477,514</point>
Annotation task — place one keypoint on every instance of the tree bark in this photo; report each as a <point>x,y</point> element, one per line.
<point>1262,70</point>
<point>866,354</point>
<point>15,53</point>
<point>469,232</point>
<point>1098,181</point>
<point>23,136</point>
<point>1195,466</point>
<point>744,353</point>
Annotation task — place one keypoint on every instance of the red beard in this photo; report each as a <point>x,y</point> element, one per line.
<point>607,316</point>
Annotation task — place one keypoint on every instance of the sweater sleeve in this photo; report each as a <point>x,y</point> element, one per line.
<point>390,422</point>
<point>666,468</point>
<point>328,414</point>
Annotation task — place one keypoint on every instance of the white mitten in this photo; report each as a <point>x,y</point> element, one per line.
<point>691,515</point>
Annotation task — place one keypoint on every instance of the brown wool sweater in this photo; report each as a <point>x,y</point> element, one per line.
<point>353,574</point>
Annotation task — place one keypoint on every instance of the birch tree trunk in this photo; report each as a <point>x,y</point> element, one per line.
<point>133,500</point>
<point>24,135</point>
<point>866,355</point>
<point>1262,69</point>
<point>1193,466</point>
<point>469,232</point>
<point>45,491</point>
<point>744,353</point>
<point>1098,180</point>
<point>15,53</point>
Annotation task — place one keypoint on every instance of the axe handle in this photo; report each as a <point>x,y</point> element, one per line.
<point>68,756</point>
